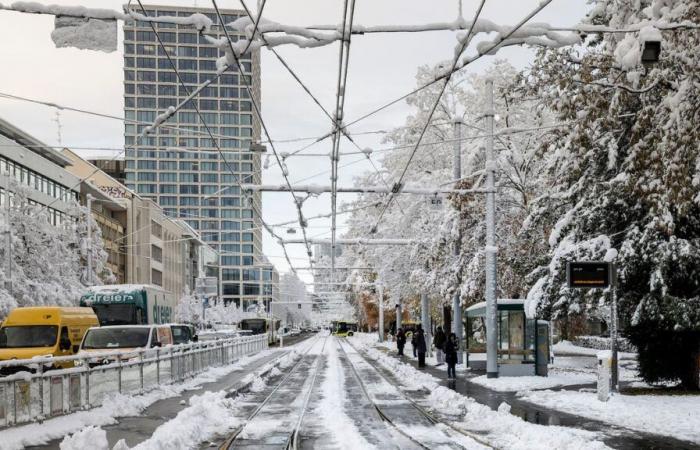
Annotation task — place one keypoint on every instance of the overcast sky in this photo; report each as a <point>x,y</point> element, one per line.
<point>382,67</point>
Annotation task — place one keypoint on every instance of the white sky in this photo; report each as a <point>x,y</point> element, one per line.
<point>382,67</point>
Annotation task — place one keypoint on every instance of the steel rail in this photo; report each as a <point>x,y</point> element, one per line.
<point>430,417</point>
<point>228,443</point>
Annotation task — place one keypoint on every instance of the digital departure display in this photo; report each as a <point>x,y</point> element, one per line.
<point>588,274</point>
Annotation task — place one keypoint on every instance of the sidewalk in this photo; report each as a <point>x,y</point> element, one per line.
<point>615,436</point>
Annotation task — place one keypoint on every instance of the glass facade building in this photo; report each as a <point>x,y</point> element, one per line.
<point>190,175</point>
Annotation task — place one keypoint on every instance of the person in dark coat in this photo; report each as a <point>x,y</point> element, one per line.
<point>400,340</point>
<point>420,346</point>
<point>439,342</point>
<point>451,349</point>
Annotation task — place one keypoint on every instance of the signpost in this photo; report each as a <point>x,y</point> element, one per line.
<point>598,275</point>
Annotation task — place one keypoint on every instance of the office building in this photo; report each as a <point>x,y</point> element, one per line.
<point>179,166</point>
<point>40,169</point>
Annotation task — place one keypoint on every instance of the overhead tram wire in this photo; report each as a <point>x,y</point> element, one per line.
<point>310,94</point>
<point>461,66</point>
<point>341,95</point>
<point>206,126</point>
<point>264,127</point>
<point>447,78</point>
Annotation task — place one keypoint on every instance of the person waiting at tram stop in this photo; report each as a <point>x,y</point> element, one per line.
<point>400,340</point>
<point>451,349</point>
<point>421,346</point>
<point>439,342</point>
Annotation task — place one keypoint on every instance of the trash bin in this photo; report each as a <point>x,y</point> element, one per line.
<point>604,375</point>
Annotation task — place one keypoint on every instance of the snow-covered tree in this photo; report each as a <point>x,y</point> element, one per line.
<point>49,263</point>
<point>627,173</point>
<point>432,265</point>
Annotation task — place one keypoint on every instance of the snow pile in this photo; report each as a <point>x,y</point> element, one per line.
<point>331,408</point>
<point>89,437</point>
<point>675,416</point>
<point>628,53</point>
<point>85,34</point>
<point>501,429</point>
<point>208,415</point>
<point>114,405</point>
<point>513,384</point>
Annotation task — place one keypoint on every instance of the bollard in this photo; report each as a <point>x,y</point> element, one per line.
<point>40,373</point>
<point>141,370</point>
<point>604,375</point>
<point>119,372</point>
<point>157,366</point>
<point>86,364</point>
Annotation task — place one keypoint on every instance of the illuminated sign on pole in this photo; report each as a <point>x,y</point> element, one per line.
<point>588,275</point>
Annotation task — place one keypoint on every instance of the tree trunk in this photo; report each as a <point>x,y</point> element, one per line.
<point>691,377</point>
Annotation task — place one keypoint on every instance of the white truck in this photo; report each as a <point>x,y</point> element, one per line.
<point>130,304</point>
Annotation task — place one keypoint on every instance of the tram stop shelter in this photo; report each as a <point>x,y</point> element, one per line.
<point>523,343</point>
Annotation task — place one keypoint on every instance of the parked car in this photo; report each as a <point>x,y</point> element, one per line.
<point>183,333</point>
<point>122,338</point>
<point>46,330</point>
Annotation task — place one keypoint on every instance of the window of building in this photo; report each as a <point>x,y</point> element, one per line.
<point>168,189</point>
<point>147,188</point>
<point>208,52</point>
<point>167,201</point>
<point>251,275</point>
<point>146,102</point>
<point>229,105</point>
<point>246,248</point>
<point>251,289</point>
<point>167,77</point>
<point>165,103</point>
<point>230,260</point>
<point>187,64</point>
<point>146,176</point>
<point>156,277</point>
<point>230,225</point>
<point>146,165</point>
<point>247,237</point>
<point>189,201</point>
<point>164,89</point>
<point>156,253</point>
<point>230,275</point>
<point>165,37</point>
<point>187,38</point>
<point>189,189</point>
<point>207,64</point>
<point>189,77</point>
<point>230,237</point>
<point>231,289</point>
<point>146,63</point>
<point>209,105</point>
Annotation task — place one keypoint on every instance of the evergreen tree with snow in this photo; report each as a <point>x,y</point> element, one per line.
<point>627,173</point>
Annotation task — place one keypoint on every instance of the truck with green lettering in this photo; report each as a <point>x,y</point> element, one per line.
<point>129,304</point>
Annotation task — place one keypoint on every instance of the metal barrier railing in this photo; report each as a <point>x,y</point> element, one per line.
<point>45,389</point>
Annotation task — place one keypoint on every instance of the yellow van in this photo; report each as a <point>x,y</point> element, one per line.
<point>44,330</point>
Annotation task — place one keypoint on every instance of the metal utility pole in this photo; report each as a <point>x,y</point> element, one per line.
<point>89,239</point>
<point>425,319</point>
<point>380,325</point>
<point>8,283</point>
<point>614,370</point>
<point>491,305</point>
<point>456,175</point>
<point>398,315</point>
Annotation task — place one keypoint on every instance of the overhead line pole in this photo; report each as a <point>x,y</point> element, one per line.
<point>491,303</point>
<point>456,305</point>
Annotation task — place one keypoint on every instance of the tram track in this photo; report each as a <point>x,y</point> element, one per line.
<point>292,440</point>
<point>415,406</point>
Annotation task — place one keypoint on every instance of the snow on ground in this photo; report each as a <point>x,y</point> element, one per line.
<point>669,415</point>
<point>533,382</point>
<point>503,429</point>
<point>331,409</point>
<point>115,405</point>
<point>208,415</point>
<point>567,348</point>
<point>88,437</point>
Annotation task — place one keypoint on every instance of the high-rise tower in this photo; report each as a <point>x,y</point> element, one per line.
<point>180,166</point>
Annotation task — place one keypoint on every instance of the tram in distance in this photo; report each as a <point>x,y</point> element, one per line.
<point>261,326</point>
<point>343,328</point>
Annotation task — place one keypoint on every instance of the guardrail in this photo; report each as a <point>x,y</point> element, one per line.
<point>42,390</point>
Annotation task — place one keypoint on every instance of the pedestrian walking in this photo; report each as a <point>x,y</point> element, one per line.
<point>451,349</point>
<point>400,340</point>
<point>414,343</point>
<point>439,342</point>
<point>420,346</point>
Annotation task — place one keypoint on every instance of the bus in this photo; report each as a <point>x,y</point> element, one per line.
<point>260,325</point>
<point>343,328</point>
<point>129,304</point>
